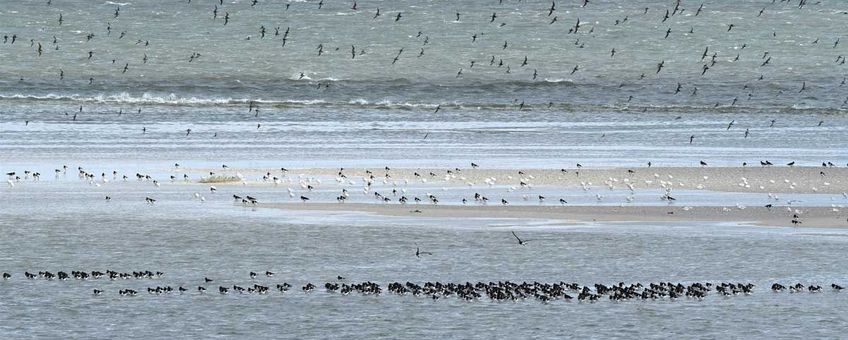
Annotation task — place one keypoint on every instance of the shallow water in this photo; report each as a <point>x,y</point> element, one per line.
<point>67,226</point>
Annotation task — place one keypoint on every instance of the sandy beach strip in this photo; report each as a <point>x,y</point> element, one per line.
<point>778,216</point>
<point>751,179</point>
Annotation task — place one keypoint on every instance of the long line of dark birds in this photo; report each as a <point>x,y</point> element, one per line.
<point>494,291</point>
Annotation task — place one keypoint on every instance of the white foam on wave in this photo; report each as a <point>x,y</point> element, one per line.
<point>389,104</point>
<point>558,80</point>
<point>291,101</point>
<point>125,97</point>
<point>148,98</point>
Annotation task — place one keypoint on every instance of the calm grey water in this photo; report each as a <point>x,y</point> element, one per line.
<point>64,224</point>
<point>63,108</point>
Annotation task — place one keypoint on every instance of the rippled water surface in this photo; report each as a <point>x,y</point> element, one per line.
<point>366,110</point>
<point>256,103</point>
<point>64,225</point>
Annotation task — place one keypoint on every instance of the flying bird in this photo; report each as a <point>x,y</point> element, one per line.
<point>520,241</point>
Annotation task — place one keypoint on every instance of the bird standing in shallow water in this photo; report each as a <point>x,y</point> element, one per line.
<point>418,252</point>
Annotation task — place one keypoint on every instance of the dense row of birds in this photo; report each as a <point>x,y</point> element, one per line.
<point>581,28</point>
<point>368,184</point>
<point>468,291</point>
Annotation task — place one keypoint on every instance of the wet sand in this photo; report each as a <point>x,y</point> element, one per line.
<point>820,217</point>
<point>751,179</point>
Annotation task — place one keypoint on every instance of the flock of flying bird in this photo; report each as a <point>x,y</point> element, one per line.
<point>584,31</point>
<point>499,291</point>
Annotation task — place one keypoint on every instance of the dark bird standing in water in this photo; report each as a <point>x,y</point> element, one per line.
<point>418,252</point>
